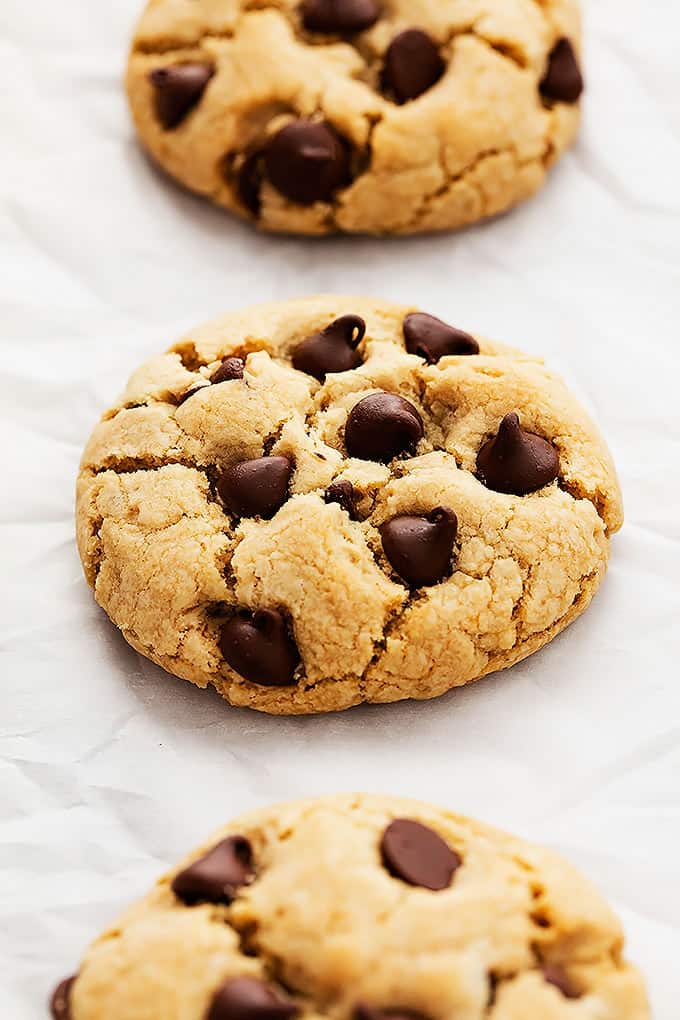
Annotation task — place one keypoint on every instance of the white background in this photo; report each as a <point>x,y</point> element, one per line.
<point>110,769</point>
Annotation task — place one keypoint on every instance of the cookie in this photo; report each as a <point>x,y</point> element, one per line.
<point>315,116</point>
<point>326,501</point>
<point>361,907</point>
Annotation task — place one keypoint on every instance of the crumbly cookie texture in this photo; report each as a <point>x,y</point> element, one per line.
<point>359,907</point>
<point>357,115</point>
<point>230,535</point>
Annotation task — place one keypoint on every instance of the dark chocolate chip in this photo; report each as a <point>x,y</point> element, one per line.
<point>413,64</point>
<point>178,89</point>
<point>432,339</point>
<point>257,645</point>
<point>248,998</point>
<point>362,1011</point>
<point>61,997</point>
<point>231,368</point>
<point>563,81</point>
<point>249,181</point>
<point>420,548</point>
<point>216,877</point>
<point>256,488</point>
<point>517,462</point>
<point>381,426</point>
<point>331,350</point>
<point>417,855</point>
<point>494,982</point>
<point>307,162</point>
<point>339,15</point>
<point>191,392</point>
<point>343,493</point>
<point>557,976</point>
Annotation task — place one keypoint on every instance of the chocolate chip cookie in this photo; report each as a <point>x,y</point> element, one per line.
<point>333,500</point>
<point>314,116</point>
<point>361,907</point>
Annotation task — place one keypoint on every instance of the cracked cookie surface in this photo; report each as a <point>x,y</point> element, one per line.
<point>230,535</point>
<point>357,115</point>
<point>359,907</point>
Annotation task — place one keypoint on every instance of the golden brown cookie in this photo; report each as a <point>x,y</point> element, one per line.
<point>313,116</point>
<point>361,907</point>
<point>333,500</point>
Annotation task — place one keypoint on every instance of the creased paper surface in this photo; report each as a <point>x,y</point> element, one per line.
<point>110,768</point>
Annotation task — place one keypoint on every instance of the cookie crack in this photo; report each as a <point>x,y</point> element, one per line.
<point>273,966</point>
<point>98,554</point>
<point>507,49</point>
<point>380,645</point>
<point>578,492</point>
<point>174,44</point>
<point>131,465</point>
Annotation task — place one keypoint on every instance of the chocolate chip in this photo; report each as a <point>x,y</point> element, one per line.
<point>178,90</point>
<point>517,462</point>
<point>362,1011</point>
<point>343,493</point>
<point>256,488</point>
<point>432,339</point>
<point>557,976</point>
<point>420,548</point>
<point>417,855</point>
<point>191,392</point>
<point>331,350</point>
<point>257,645</point>
<point>61,998</point>
<point>339,15</point>
<point>563,81</point>
<point>216,876</point>
<point>307,162</point>
<point>381,426</point>
<point>413,64</point>
<point>248,998</point>
<point>231,368</point>
<point>249,181</point>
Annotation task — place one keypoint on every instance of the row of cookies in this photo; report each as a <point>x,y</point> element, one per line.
<point>313,504</point>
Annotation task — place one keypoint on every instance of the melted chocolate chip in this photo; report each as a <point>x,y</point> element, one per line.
<point>343,493</point>
<point>258,647</point>
<point>342,16</point>
<point>191,392</point>
<point>178,89</point>
<point>249,181</point>
<point>256,488</point>
<point>307,162</point>
<point>362,1011</point>
<point>557,976</point>
<point>432,339</point>
<point>417,855</point>
<point>248,998</point>
<point>61,996</point>
<point>517,462</point>
<point>331,350</point>
<point>381,426</point>
<point>231,368</point>
<point>562,82</point>
<point>413,64</point>
<point>216,877</point>
<point>420,548</point>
